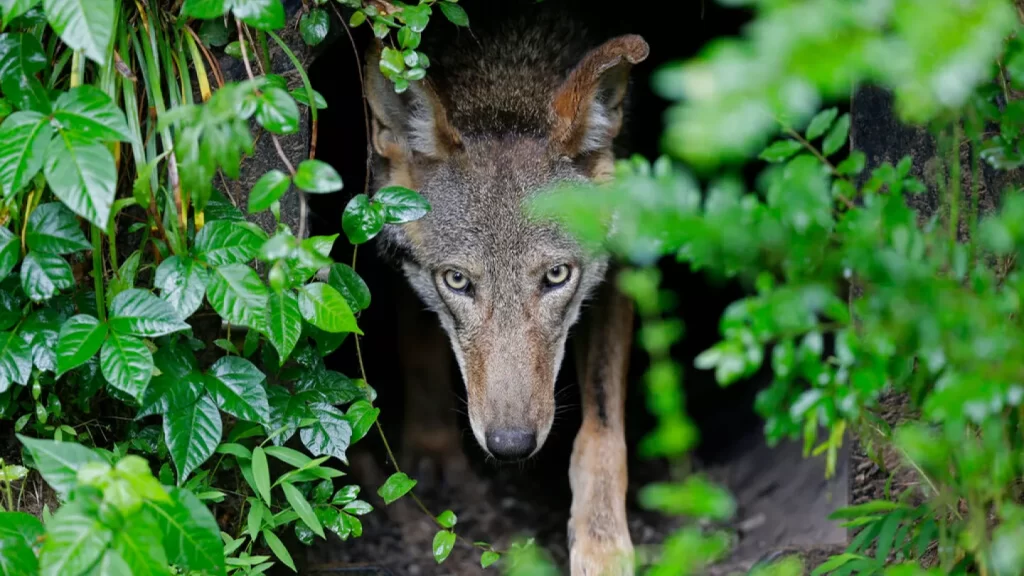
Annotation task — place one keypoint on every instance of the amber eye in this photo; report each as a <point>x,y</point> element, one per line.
<point>557,275</point>
<point>456,280</point>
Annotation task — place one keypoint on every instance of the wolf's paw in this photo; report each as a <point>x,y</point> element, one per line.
<point>603,554</point>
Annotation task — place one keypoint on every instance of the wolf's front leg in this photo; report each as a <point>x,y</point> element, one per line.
<point>599,542</point>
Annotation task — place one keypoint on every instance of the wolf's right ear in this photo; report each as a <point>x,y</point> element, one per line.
<point>414,122</point>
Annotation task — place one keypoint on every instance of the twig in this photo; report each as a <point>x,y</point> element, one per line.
<point>803,142</point>
<point>366,110</point>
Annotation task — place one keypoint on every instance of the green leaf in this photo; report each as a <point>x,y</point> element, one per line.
<point>454,13</point>
<point>400,204</point>
<point>53,229</point>
<point>127,364</point>
<point>75,540</point>
<point>444,541</point>
<point>80,339</point>
<point>26,137</point>
<point>206,9</point>
<point>350,285</point>
<point>85,25</point>
<point>10,252</point>
<point>261,473</point>
<point>447,519</point>
<point>284,323</point>
<point>16,552</point>
<point>237,387</point>
<point>821,122</point>
<point>88,112</point>
<point>11,9</point>
<point>267,190</point>
<point>314,26</point>
<point>21,58</point>
<point>361,415</point>
<point>182,282</point>
<point>302,508</point>
<point>279,549</point>
<point>43,275</point>
<point>15,360</point>
<point>489,557</point>
<point>260,14</point>
<point>288,456</point>
<point>330,435</point>
<point>190,532</point>
<point>780,150</point>
<point>228,242</point>
<point>277,111</point>
<point>82,174</point>
<point>141,546</point>
<point>238,295</point>
<point>396,486</point>
<point>317,177</point>
<point>302,98</point>
<point>192,434</point>
<point>362,220</point>
<point>167,393</point>
<point>59,462</point>
<point>139,312</point>
<point>853,165</point>
<point>213,32</point>
<point>836,137</point>
<point>322,306</point>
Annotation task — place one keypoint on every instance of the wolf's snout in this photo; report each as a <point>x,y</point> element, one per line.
<point>511,444</point>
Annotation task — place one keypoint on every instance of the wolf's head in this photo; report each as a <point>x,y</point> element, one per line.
<point>477,138</point>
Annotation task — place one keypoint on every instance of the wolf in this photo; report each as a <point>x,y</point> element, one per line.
<point>508,109</point>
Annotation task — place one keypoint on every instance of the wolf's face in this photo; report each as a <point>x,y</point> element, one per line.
<point>507,288</point>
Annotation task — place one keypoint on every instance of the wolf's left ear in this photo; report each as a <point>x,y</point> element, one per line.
<point>586,111</point>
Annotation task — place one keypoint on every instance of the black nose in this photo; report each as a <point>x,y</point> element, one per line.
<point>511,444</point>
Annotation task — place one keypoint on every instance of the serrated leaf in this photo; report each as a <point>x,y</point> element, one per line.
<point>277,111</point>
<point>454,13</point>
<point>362,220</point>
<point>780,150</point>
<point>59,462</point>
<point>396,486</point>
<point>85,25</point>
<point>53,229</point>
<point>314,26</point>
<point>23,58</point>
<point>126,363</point>
<point>302,508</point>
<point>82,174</point>
<point>361,415</point>
<point>322,306</point>
<point>261,474</point>
<point>444,541</point>
<point>139,312</point>
<point>836,137</point>
<point>75,540</point>
<point>191,536</point>
<point>400,205</point>
<point>26,137</point>
<point>821,122</point>
<point>192,434</point>
<point>238,295</point>
<point>43,275</point>
<point>237,387</point>
<point>260,14</point>
<point>317,177</point>
<point>330,435</point>
<point>182,283</point>
<point>279,549</point>
<point>350,285</point>
<point>89,112</point>
<point>80,339</point>
<point>267,190</point>
<point>283,323</point>
<point>228,242</point>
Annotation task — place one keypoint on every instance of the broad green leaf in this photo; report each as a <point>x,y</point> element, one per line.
<point>350,285</point>
<point>15,360</point>
<point>10,252</point>
<point>214,32</point>
<point>260,14</point>
<point>261,474</point>
<point>75,539</point>
<point>82,174</point>
<point>454,13</point>
<point>190,532</point>
<point>360,508</point>
<point>489,557</point>
<point>314,26</point>
<point>43,275</point>
<point>322,306</point>
<point>286,413</point>
<point>283,323</point>
<point>80,339</point>
<point>192,434</point>
<point>444,541</point>
<point>88,112</point>
<point>16,555</point>
<point>237,387</point>
<point>330,435</point>
<point>21,58</point>
<point>780,150</point>
<point>20,526</point>
<point>447,518</point>
<point>227,242</point>
<point>141,546</point>
<point>127,364</point>
<point>167,393</point>
<point>205,9</point>
<point>288,456</point>
<point>277,111</point>
<point>11,9</point>
<point>138,312</point>
<point>302,508</point>
<point>26,136</point>
<point>821,122</point>
<point>267,190</point>
<point>126,275</point>
<point>302,98</point>
<point>361,415</point>
<point>59,462</point>
<point>53,229</point>
<point>41,330</point>
<point>396,486</point>
<point>853,165</point>
<point>317,177</point>
<point>279,549</point>
<point>362,220</point>
<point>400,204</point>
<point>238,295</point>
<point>836,137</point>
<point>182,282</point>
<point>85,25</point>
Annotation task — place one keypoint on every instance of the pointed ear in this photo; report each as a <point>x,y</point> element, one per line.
<point>586,111</point>
<point>414,122</point>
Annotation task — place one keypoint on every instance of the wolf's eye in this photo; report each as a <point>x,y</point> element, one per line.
<point>557,275</point>
<point>456,280</point>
